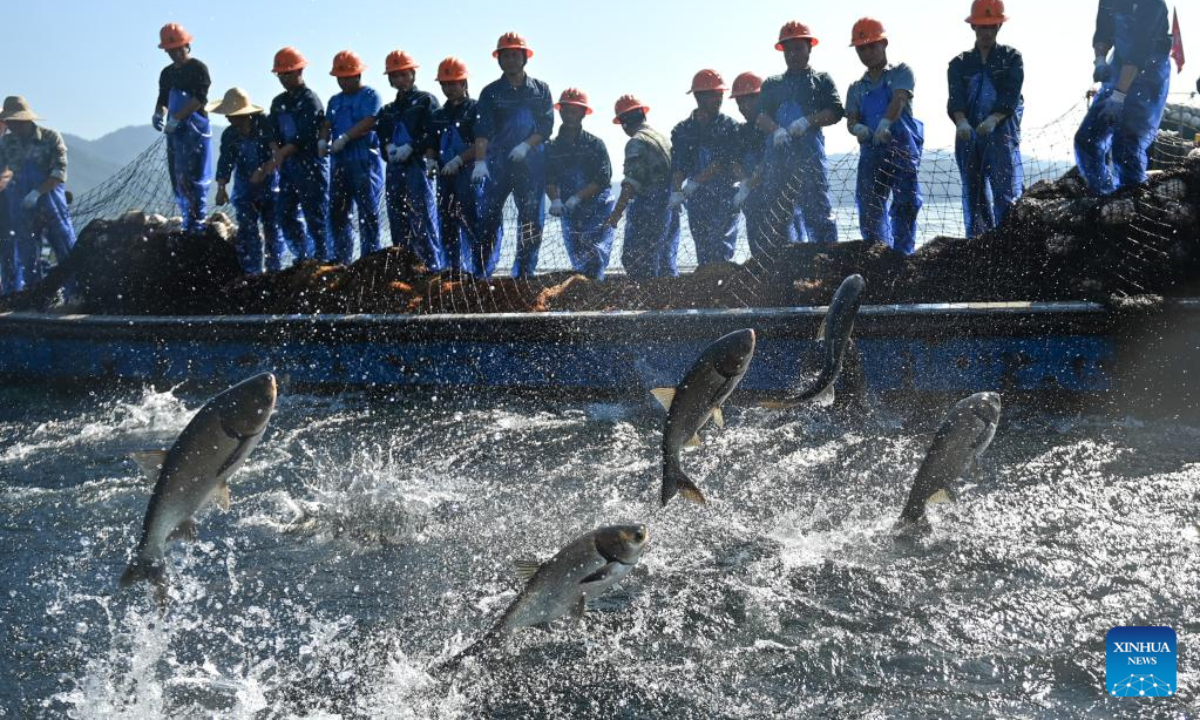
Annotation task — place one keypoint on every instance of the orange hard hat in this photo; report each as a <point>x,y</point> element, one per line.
<point>173,35</point>
<point>627,104</point>
<point>288,60</point>
<point>573,96</point>
<point>987,12</point>
<point>707,81</point>
<point>866,31</point>
<point>512,41</point>
<point>398,60</point>
<point>795,30</point>
<point>347,64</point>
<point>746,84</point>
<point>452,70</point>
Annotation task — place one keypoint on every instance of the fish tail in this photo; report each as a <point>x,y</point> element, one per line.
<point>144,569</point>
<point>675,481</point>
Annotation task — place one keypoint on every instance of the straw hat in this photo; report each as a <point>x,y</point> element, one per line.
<point>236,102</point>
<point>17,108</point>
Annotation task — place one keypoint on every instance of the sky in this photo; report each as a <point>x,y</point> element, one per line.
<point>92,67</point>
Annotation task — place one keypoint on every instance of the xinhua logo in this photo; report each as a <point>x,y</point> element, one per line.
<point>1141,662</point>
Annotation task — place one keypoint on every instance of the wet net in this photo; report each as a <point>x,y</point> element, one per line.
<point>1151,228</point>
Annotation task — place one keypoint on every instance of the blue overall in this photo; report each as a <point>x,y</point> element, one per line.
<point>889,172</point>
<point>412,204</point>
<point>254,205</point>
<point>651,235</point>
<point>712,217</point>
<point>588,238</point>
<point>460,203</point>
<point>990,165</point>
<point>796,177</point>
<point>47,221</point>
<point>189,161</point>
<point>356,176</point>
<point>1128,136</point>
<point>303,189</point>
<point>754,151</point>
<point>8,249</point>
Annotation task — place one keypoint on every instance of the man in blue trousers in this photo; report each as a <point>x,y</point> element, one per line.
<point>515,119</point>
<point>35,160</point>
<point>406,127</point>
<point>356,167</point>
<point>891,140</point>
<point>298,118</point>
<point>1124,117</point>
<point>460,201</point>
<point>986,106</point>
<point>179,112</point>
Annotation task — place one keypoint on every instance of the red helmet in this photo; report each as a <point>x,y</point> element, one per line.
<point>173,35</point>
<point>288,60</point>
<point>627,104</point>
<point>452,70</point>
<point>347,64</point>
<point>746,84</point>
<point>867,31</point>
<point>708,81</point>
<point>795,30</point>
<point>573,96</point>
<point>987,12</point>
<point>512,41</point>
<point>398,60</point>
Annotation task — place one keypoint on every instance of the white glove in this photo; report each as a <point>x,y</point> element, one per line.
<point>171,126</point>
<point>519,152</point>
<point>964,130</point>
<point>677,199</point>
<point>572,203</point>
<point>883,132</point>
<point>689,188</point>
<point>556,207</point>
<point>780,137</point>
<point>1102,72</point>
<point>451,168</point>
<point>399,154</point>
<point>988,125</point>
<point>339,144</point>
<point>431,167</point>
<point>798,127</point>
<point>322,148</point>
<point>157,120</point>
<point>30,199</point>
<point>480,173</point>
<point>743,194</point>
<point>862,132</point>
<point>1114,106</point>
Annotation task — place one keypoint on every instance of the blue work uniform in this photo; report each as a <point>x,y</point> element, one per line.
<point>1139,35</point>
<point>189,147</point>
<point>507,116</point>
<point>752,145</point>
<point>253,203</point>
<point>796,176</point>
<point>33,161</point>
<point>460,201</point>
<point>298,116</point>
<point>652,226</point>
<point>990,165</point>
<point>411,196</point>
<point>573,164</point>
<point>697,146</point>
<point>356,172</point>
<point>888,191</point>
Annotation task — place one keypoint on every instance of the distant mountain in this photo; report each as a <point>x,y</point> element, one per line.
<point>90,162</point>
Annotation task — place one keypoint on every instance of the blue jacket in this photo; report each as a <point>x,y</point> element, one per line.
<point>415,111</point>
<point>235,160</point>
<point>690,137</point>
<point>1149,38</point>
<point>500,102</point>
<point>587,153</point>
<point>1004,67</point>
<point>297,117</point>
<point>813,91</point>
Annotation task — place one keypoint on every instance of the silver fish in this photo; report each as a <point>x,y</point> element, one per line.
<point>707,384</point>
<point>963,437</point>
<point>197,469</point>
<point>834,339</point>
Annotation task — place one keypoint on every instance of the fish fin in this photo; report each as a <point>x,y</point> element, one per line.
<point>526,567</point>
<point>941,496</point>
<point>185,531</point>
<point>664,396</point>
<point>821,330</point>
<point>694,442</point>
<point>222,497</point>
<point>675,481</point>
<point>238,455</point>
<point>689,491</point>
<point>144,569</point>
<point>579,609</point>
<point>718,417</point>
<point>150,462</point>
<point>825,397</point>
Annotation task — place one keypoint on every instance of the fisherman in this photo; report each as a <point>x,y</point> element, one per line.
<point>179,112</point>
<point>986,107</point>
<point>578,169</point>
<point>356,165</point>
<point>652,230</point>
<point>1124,117</point>
<point>879,114</point>
<point>460,201</point>
<point>703,151</point>
<point>7,246</point>
<point>406,126</point>
<point>298,117</point>
<point>247,157</point>
<point>35,196</point>
<point>793,108</point>
<point>515,117</point>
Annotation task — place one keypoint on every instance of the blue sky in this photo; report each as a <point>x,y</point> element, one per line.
<point>92,67</point>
